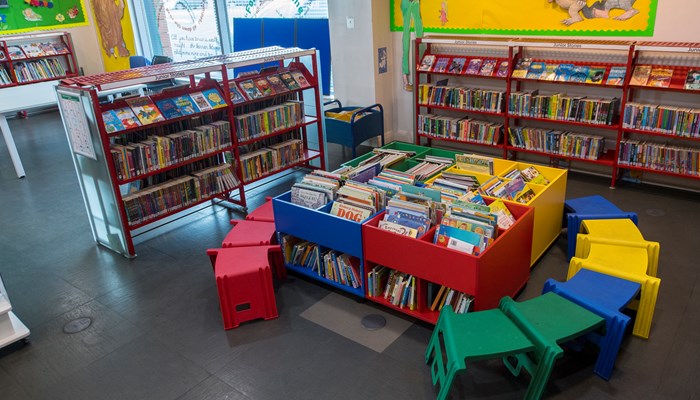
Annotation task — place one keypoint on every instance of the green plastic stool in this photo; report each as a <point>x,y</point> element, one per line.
<point>527,332</point>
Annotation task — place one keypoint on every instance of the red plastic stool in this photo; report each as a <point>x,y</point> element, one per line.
<point>263,213</point>
<point>250,233</point>
<point>244,282</point>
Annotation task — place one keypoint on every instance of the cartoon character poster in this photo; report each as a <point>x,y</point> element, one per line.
<point>530,17</point>
<point>30,15</point>
<point>114,30</point>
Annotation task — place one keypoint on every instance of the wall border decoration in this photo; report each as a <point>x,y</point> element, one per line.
<point>35,15</point>
<point>544,17</point>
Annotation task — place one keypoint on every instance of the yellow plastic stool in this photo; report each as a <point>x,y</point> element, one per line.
<point>625,262</point>
<point>622,229</point>
<point>637,251</point>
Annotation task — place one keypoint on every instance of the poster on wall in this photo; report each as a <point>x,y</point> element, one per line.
<point>17,16</point>
<point>527,17</point>
<point>115,33</point>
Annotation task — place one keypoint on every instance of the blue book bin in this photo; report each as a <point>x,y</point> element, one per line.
<point>364,123</point>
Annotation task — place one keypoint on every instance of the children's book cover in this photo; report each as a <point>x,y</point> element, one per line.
<point>112,122</point>
<point>692,80</point>
<point>250,90</point>
<point>487,68</point>
<point>596,75</point>
<point>521,68</point>
<point>215,99</point>
<point>563,72</point>
<point>264,87</point>
<point>186,104</point>
<point>457,65</point>
<point>579,74</point>
<point>503,69</point>
<point>276,83</point>
<point>427,63</point>
<point>550,72</point>
<point>660,77</point>
<point>536,70</point>
<point>441,64</point>
<point>145,110</point>
<point>640,75</point>
<point>168,108</point>
<point>127,117</point>
<point>288,80</point>
<point>2,55</point>
<point>201,101</point>
<point>474,66</point>
<point>616,76</point>
<point>301,79</point>
<point>15,53</point>
<point>235,92</point>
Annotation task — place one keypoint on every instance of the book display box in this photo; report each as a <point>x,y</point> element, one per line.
<point>34,58</point>
<point>576,102</point>
<point>142,159</point>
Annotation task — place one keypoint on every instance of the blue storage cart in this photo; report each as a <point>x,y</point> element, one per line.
<point>365,123</point>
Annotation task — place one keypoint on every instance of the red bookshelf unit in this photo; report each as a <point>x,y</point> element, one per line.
<point>137,169</point>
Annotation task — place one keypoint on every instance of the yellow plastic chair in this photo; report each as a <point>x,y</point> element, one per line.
<point>625,262</point>
<point>622,229</point>
<point>636,251</point>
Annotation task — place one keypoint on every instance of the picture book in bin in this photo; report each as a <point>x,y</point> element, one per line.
<point>457,65</point>
<point>201,101</point>
<point>112,121</point>
<point>289,81</point>
<point>441,64</point>
<point>616,76</point>
<point>264,87</point>
<point>214,98</point>
<point>145,110</point>
<point>457,239</point>
<point>473,162</point>
<point>276,83</point>
<point>186,104</point>
<point>351,212</point>
<point>427,63</point>
<point>474,66</point>
<point>127,117</point>
<point>235,92</point>
<point>169,108</point>
<point>308,197</point>
<point>301,79</point>
<point>250,90</point>
<point>692,80</point>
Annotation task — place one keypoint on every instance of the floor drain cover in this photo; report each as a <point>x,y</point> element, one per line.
<point>77,325</point>
<point>655,212</point>
<point>372,322</point>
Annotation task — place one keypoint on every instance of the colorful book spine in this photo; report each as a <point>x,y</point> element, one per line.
<point>461,97</point>
<point>660,157</point>
<point>670,120</point>
<point>564,108</point>
<point>461,129</point>
<point>269,120</point>
<point>570,144</point>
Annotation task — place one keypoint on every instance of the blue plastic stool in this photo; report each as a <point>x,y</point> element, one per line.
<point>605,296</point>
<point>590,207</point>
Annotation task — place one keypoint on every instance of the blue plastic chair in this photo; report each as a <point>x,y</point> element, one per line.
<point>589,207</point>
<point>605,296</point>
<point>138,61</point>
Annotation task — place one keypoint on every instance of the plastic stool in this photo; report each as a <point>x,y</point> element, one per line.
<point>589,207</point>
<point>250,233</point>
<point>244,282</point>
<point>262,213</point>
<point>605,296</point>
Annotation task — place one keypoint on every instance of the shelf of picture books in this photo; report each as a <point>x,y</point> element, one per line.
<point>33,58</point>
<point>413,296</point>
<point>569,73</point>
<point>332,267</point>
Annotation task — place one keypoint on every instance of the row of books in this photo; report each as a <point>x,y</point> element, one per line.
<point>652,76</point>
<point>396,287</point>
<point>265,86</point>
<point>660,157</point>
<point>316,189</point>
<point>332,265</point>
<point>38,49</point>
<point>561,107</point>
<point>529,69</point>
<point>143,111</point>
<point>508,187</point>
<point>463,65</point>
<point>37,70</point>
<point>429,166</point>
<point>569,144</point>
<point>259,163</point>
<point>679,121</point>
<point>461,97</point>
<point>179,193</point>
<point>269,120</point>
<point>464,129</point>
<point>460,302</point>
<point>4,76</point>
<point>134,159</point>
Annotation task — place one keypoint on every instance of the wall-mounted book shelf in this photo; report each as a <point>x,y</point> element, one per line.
<point>144,158</point>
<point>34,58</point>
<point>624,76</point>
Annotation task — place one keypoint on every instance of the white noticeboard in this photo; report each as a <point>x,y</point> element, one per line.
<point>76,125</point>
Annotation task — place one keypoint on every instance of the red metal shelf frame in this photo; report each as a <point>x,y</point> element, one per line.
<point>561,121</point>
<point>174,166</point>
<point>607,66</point>
<point>607,159</point>
<point>483,112</point>
<point>660,134</point>
<point>470,142</point>
<point>657,171</point>
<point>308,120</point>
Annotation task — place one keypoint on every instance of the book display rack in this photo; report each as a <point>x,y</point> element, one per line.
<point>406,273</point>
<point>589,102</point>
<point>26,59</point>
<point>144,158</point>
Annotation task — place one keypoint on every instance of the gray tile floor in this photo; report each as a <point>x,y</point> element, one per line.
<point>157,331</point>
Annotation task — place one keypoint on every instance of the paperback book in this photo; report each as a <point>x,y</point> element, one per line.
<point>168,108</point>
<point>579,74</point>
<point>112,122</point>
<point>250,90</point>
<point>640,76</point>
<point>521,68</point>
<point>301,79</point>
<point>201,101</point>
<point>186,104</point>
<point>15,53</point>
<point>289,81</point>
<point>596,75</point>
<point>145,110</point>
<point>660,77</point>
<point>550,72</point>
<point>276,83</point>
<point>127,117</point>
<point>563,72</point>
<point>476,163</point>
<point>264,87</point>
<point>536,70</point>
<point>474,66</point>
<point>616,76</point>
<point>427,63</point>
<point>235,92</point>
<point>487,68</point>
<point>441,64</point>
<point>214,98</point>
<point>457,65</point>
<point>692,80</point>
<point>503,69</point>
